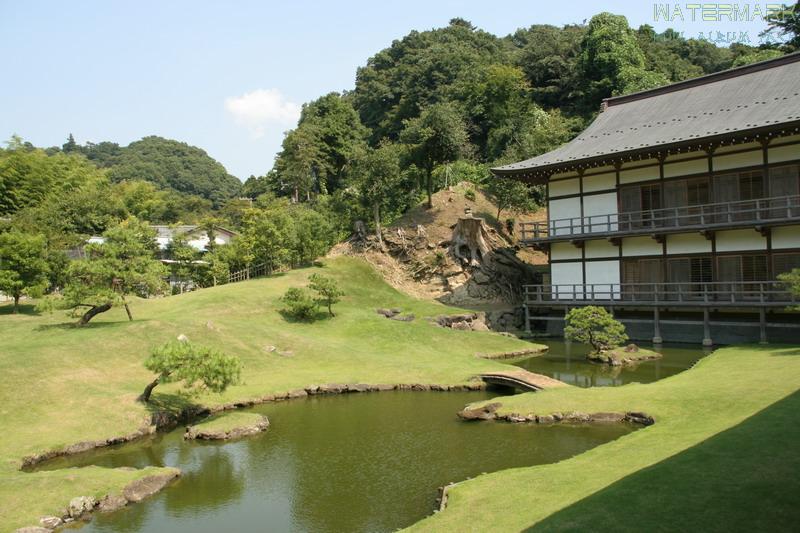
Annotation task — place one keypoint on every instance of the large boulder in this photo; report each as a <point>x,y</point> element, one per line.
<point>483,412</point>
<point>51,522</point>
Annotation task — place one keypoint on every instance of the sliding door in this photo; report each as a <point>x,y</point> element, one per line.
<point>783,192</point>
<point>641,278</point>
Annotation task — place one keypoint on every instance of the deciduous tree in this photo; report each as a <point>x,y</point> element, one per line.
<point>438,136</point>
<point>23,265</point>
<point>377,173</point>
<point>510,194</point>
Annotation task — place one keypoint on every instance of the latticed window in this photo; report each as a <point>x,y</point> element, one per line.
<point>785,262</point>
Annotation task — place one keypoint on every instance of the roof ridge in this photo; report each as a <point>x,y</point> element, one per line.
<point>703,80</point>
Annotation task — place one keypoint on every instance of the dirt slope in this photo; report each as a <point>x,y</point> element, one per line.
<point>418,257</point>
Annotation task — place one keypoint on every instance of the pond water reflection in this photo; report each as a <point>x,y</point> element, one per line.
<point>567,362</point>
<point>358,462</point>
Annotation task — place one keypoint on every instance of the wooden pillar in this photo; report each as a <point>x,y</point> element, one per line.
<point>657,326</point>
<point>707,328</point>
<point>762,323</point>
<point>527,320</point>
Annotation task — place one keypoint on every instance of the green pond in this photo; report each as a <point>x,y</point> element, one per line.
<point>566,361</point>
<point>357,462</point>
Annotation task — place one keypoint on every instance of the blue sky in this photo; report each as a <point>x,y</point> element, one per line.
<point>230,77</point>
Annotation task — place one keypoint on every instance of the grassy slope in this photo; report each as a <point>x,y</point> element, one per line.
<point>721,456</point>
<point>61,385</point>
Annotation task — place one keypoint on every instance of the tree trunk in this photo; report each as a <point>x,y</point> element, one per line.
<point>377,211</point>
<point>470,233</point>
<point>145,395</point>
<point>16,304</point>
<point>330,309</point>
<point>430,187</point>
<point>92,312</point>
<point>127,309</point>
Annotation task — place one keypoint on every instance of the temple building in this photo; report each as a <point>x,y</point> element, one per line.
<point>677,208</point>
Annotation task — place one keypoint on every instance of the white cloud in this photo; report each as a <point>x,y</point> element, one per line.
<point>258,109</point>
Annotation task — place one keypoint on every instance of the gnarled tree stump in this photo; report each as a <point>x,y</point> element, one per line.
<point>470,240</point>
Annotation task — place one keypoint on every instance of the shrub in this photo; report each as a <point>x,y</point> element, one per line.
<point>299,305</point>
<point>510,224</point>
<point>594,326</point>
<point>469,194</point>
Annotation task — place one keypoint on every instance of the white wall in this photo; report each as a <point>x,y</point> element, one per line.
<point>681,168</point>
<point>603,276</point>
<point>639,174</point>
<point>786,237</point>
<point>600,248</point>
<point>635,246</point>
<point>744,159</point>
<point>783,153</point>
<point>596,205</point>
<point>566,274</point>
<point>599,182</point>
<point>561,209</point>
<point>564,250</point>
<point>740,239</point>
<point>564,187</point>
<point>687,243</point>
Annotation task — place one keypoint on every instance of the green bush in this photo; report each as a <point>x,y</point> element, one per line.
<point>299,305</point>
<point>469,194</point>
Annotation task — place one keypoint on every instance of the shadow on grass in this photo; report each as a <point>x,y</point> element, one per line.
<point>173,403</point>
<point>292,319</point>
<point>22,309</point>
<point>91,325</point>
<point>746,478</point>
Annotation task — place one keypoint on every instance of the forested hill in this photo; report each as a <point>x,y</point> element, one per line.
<point>434,108</point>
<point>165,162</point>
<point>461,94</point>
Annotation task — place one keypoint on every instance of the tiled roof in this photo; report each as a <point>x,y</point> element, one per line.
<point>745,98</point>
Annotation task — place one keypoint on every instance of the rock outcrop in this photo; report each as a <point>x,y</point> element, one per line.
<point>80,505</point>
<point>489,412</point>
<point>140,489</point>
<point>204,433</point>
<point>464,322</point>
<point>627,356</point>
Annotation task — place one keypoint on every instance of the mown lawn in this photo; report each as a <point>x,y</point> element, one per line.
<point>722,456</point>
<point>60,385</point>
